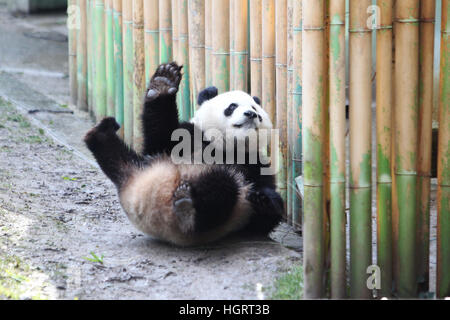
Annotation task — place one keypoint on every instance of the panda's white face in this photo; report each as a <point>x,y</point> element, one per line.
<point>235,114</point>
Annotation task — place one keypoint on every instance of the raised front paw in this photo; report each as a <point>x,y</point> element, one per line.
<point>106,126</point>
<point>165,81</point>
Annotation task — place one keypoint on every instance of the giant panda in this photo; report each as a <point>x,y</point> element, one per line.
<point>188,204</point>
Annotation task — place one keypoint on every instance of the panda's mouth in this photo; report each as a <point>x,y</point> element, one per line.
<point>248,124</point>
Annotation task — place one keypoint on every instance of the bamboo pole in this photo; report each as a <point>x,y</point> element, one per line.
<point>151,37</point>
<point>73,55</point>
<point>127,12</point>
<point>232,44</point>
<point>138,71</point>
<point>92,55</point>
<point>268,58</point>
<point>221,44</point>
<point>82,100</point>
<point>175,29</point>
<point>196,48</point>
<point>208,44</point>
<point>255,48</point>
<point>109,46</point>
<point>313,136</point>
<point>426,65</point>
<point>337,148</point>
<point>118,64</point>
<point>290,85</point>
<point>281,90</point>
<point>406,115</point>
<point>384,115</point>
<point>239,25</point>
<point>165,31</point>
<point>183,58</point>
<point>89,54</point>
<point>443,236</point>
<point>360,148</point>
<point>100,63</point>
<point>296,121</point>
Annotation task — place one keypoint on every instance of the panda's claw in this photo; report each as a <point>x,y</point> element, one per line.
<point>165,81</point>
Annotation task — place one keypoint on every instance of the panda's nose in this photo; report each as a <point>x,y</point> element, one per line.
<point>250,114</point>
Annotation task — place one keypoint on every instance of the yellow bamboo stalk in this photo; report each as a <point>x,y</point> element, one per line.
<point>73,53</point>
<point>268,58</point>
<point>290,85</point>
<point>281,91</point>
<point>360,148</point>
<point>427,15</point>
<point>151,25</point>
<point>313,66</point>
<point>82,97</point>
<point>175,29</point>
<point>208,43</point>
<point>196,48</point>
<point>221,44</point>
<point>109,59</point>
<point>90,56</point>
<point>296,121</point>
<point>239,25</point>
<point>232,44</point>
<point>406,138</point>
<point>384,116</point>
<point>255,48</point>
<point>138,71</point>
<point>165,31</point>
<point>127,12</point>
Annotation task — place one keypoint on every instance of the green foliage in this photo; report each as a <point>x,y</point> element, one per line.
<point>289,286</point>
<point>95,258</point>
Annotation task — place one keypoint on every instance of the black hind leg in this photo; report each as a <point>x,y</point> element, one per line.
<point>160,115</point>
<point>210,199</point>
<point>115,158</point>
<point>268,207</point>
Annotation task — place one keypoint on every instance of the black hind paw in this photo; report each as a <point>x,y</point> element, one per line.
<point>184,207</point>
<point>267,200</point>
<point>165,81</point>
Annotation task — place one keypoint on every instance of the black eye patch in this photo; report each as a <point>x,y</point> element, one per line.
<point>229,111</point>
<point>253,108</point>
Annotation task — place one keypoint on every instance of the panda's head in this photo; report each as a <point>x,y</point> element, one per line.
<point>234,113</point>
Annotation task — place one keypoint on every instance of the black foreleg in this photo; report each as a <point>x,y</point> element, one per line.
<point>115,158</point>
<point>160,114</point>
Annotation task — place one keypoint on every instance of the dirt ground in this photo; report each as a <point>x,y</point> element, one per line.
<point>57,212</point>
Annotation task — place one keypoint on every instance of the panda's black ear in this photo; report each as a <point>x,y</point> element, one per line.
<point>207,94</point>
<point>257,100</point>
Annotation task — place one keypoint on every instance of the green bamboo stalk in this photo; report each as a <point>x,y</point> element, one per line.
<point>384,120</point>
<point>296,120</point>
<point>208,43</point>
<point>72,35</point>
<point>109,45</point>
<point>426,59</point>
<point>313,137</point>
<point>118,64</point>
<point>128,69</point>
<point>360,148</point>
<point>337,148</point>
<point>443,240</point>
<point>406,117</point>
<point>183,57</point>
<point>82,102</point>
<point>165,31</point>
